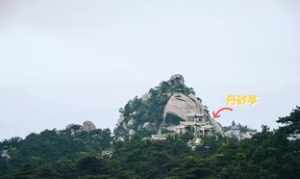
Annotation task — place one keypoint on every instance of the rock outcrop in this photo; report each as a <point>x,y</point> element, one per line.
<point>168,109</point>
<point>183,106</point>
<point>86,126</point>
<point>186,114</point>
<point>176,80</point>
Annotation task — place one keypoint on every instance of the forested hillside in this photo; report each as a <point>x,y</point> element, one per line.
<point>53,154</point>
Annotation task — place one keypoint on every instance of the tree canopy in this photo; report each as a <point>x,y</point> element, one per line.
<point>270,154</point>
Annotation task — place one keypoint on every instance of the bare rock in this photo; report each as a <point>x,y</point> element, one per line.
<point>183,106</point>
<point>192,114</point>
<point>88,126</point>
<point>176,80</point>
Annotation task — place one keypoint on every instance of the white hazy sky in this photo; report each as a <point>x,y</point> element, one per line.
<point>64,61</point>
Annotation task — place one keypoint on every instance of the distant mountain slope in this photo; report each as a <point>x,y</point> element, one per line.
<point>74,142</point>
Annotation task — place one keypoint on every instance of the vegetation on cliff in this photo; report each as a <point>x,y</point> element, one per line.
<point>144,115</point>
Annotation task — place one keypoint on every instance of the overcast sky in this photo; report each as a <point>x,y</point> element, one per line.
<point>64,61</point>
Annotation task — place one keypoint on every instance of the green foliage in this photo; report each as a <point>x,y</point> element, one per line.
<point>173,119</point>
<point>291,123</point>
<point>60,155</point>
<point>191,167</point>
<point>53,145</point>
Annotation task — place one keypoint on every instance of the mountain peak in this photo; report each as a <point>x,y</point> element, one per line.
<point>165,110</point>
<point>176,79</point>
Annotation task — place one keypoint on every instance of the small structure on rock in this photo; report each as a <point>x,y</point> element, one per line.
<point>238,131</point>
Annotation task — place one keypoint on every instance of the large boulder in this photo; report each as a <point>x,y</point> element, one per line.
<point>176,80</point>
<point>88,126</point>
<point>183,106</point>
<point>185,113</point>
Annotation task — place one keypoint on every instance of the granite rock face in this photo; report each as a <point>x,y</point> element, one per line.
<point>183,106</point>
<point>186,114</point>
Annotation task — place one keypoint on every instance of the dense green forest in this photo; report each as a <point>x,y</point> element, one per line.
<point>54,154</point>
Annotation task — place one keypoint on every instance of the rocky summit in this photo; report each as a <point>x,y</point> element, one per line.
<point>169,109</point>
<point>87,126</point>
